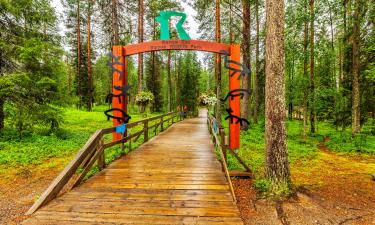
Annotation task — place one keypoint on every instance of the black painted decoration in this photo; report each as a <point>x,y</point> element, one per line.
<point>124,119</point>
<point>244,71</point>
<point>232,94</point>
<point>232,117</point>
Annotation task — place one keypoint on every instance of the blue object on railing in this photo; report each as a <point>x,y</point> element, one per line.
<point>216,129</point>
<point>121,129</point>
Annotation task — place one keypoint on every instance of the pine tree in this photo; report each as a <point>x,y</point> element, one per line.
<point>277,165</point>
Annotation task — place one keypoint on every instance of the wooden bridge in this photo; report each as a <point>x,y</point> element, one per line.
<point>175,178</point>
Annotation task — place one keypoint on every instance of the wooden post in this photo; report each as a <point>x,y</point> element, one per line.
<point>122,146</point>
<point>223,146</point>
<point>234,104</point>
<point>116,81</point>
<point>145,131</point>
<point>161,123</point>
<point>101,159</point>
<point>130,144</point>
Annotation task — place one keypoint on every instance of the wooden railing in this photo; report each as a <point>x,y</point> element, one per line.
<point>220,144</point>
<point>219,139</point>
<point>94,151</point>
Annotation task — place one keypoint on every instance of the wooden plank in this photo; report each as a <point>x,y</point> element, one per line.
<point>88,167</point>
<point>163,186</point>
<point>168,211</point>
<point>135,219</point>
<point>236,173</point>
<point>59,182</point>
<point>138,203</point>
<point>129,194</point>
<point>169,180</point>
<point>240,160</point>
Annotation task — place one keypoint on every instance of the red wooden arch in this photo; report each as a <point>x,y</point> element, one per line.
<point>196,45</point>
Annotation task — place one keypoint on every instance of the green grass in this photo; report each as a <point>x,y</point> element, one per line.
<point>40,145</point>
<point>252,149</point>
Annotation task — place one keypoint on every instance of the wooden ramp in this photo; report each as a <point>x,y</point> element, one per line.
<point>173,179</point>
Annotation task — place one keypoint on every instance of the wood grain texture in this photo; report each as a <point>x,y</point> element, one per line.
<point>175,178</point>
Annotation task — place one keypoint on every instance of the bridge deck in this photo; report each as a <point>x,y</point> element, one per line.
<point>173,179</point>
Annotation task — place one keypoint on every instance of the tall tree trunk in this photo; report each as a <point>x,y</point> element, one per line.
<point>333,47</point>
<point>178,86</point>
<point>79,55</point>
<point>305,58</point>
<point>312,73</point>
<point>69,76</point>
<point>169,82</point>
<point>115,26</point>
<point>2,115</point>
<point>153,55</point>
<point>140,39</point>
<point>356,71</point>
<point>2,98</point>
<point>89,69</point>
<point>230,23</point>
<point>218,63</point>
<point>277,165</point>
<point>246,59</point>
<point>256,76</point>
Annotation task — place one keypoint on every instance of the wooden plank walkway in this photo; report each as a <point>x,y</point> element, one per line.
<point>173,179</point>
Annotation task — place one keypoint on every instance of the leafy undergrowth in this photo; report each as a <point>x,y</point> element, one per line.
<point>40,145</point>
<point>301,150</point>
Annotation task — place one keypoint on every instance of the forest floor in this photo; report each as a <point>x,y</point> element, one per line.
<point>331,188</point>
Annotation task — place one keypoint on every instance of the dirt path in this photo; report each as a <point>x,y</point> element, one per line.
<point>19,187</point>
<point>332,189</point>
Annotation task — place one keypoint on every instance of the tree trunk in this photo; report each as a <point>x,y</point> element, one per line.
<point>140,39</point>
<point>218,63</point>
<point>356,71</point>
<point>115,28</point>
<point>333,48</point>
<point>277,165</point>
<point>312,61</point>
<point>79,55</point>
<point>230,24</point>
<point>153,75</point>
<point>246,59</point>
<point>89,69</point>
<point>69,76</point>
<point>256,76</point>
<point>2,115</point>
<point>305,58</point>
<point>178,86</point>
<point>169,82</point>
<point>2,99</point>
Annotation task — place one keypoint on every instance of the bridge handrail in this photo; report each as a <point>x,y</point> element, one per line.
<point>93,151</point>
<point>220,144</point>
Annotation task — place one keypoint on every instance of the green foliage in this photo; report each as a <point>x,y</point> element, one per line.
<point>153,80</point>
<point>144,97</point>
<point>30,86</point>
<point>343,141</point>
<point>263,185</point>
<point>190,74</point>
<point>38,146</point>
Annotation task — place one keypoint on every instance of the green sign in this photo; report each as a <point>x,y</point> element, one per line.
<point>164,18</point>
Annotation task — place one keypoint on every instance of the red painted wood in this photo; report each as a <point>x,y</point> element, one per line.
<point>196,45</point>
<point>234,83</point>
<point>118,51</point>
